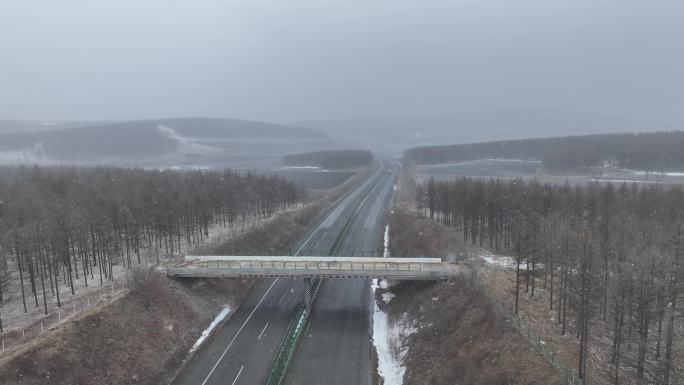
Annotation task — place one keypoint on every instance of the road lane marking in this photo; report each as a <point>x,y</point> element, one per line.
<point>262,332</point>
<point>238,332</point>
<point>282,298</point>
<point>238,375</point>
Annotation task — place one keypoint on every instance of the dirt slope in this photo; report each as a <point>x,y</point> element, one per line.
<point>138,339</point>
<point>461,340</point>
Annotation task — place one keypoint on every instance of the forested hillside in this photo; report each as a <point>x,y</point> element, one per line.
<point>331,160</point>
<point>106,142</point>
<point>159,141</point>
<point>659,151</point>
<point>59,224</point>
<point>609,257</point>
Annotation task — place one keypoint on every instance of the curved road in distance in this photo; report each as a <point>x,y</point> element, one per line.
<point>242,352</point>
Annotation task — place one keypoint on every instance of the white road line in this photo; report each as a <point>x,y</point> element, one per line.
<point>262,332</point>
<point>282,298</point>
<point>238,375</point>
<point>307,240</point>
<point>238,333</point>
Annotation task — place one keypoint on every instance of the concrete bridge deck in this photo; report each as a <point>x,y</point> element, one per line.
<point>313,267</point>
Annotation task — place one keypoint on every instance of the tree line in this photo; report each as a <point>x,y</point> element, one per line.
<point>603,253</point>
<point>62,224</point>
<point>655,152</point>
<point>331,160</point>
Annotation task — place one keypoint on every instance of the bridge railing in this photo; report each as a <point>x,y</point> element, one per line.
<point>312,266</point>
<point>277,265</point>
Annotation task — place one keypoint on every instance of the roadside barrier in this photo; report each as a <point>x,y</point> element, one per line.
<point>568,375</point>
<point>288,345</point>
<point>13,338</point>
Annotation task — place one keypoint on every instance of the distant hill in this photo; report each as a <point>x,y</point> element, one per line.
<point>157,142</point>
<point>657,151</point>
<point>330,160</point>
<point>210,128</point>
<point>396,134</point>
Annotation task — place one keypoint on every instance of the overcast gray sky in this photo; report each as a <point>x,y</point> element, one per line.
<point>288,60</point>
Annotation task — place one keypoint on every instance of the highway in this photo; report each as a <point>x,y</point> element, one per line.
<point>242,351</point>
<point>336,347</point>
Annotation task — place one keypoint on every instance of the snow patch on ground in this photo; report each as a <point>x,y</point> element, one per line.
<point>387,297</point>
<point>172,134</point>
<point>220,317</point>
<point>187,145</point>
<point>307,168</point>
<point>502,160</point>
<point>302,167</point>
<point>388,337</point>
<point>499,260</point>
<point>386,253</point>
<point>623,181</point>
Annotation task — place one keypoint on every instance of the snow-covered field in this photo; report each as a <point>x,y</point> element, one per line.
<point>490,160</point>
<point>670,173</point>
<point>623,181</point>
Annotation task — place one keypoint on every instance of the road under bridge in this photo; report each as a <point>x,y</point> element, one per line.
<point>336,347</point>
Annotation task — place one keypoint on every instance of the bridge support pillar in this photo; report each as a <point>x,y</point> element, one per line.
<point>308,296</point>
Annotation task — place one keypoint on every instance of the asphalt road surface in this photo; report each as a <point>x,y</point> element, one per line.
<point>335,348</point>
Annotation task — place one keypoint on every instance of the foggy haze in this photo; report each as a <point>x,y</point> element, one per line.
<point>285,61</point>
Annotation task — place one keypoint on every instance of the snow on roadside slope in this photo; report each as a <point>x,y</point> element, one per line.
<point>386,252</point>
<point>220,317</point>
<point>388,340</point>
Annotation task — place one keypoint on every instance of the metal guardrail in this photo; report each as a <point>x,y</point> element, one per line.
<point>287,346</point>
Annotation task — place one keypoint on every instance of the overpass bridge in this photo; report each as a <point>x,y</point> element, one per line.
<point>310,267</point>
